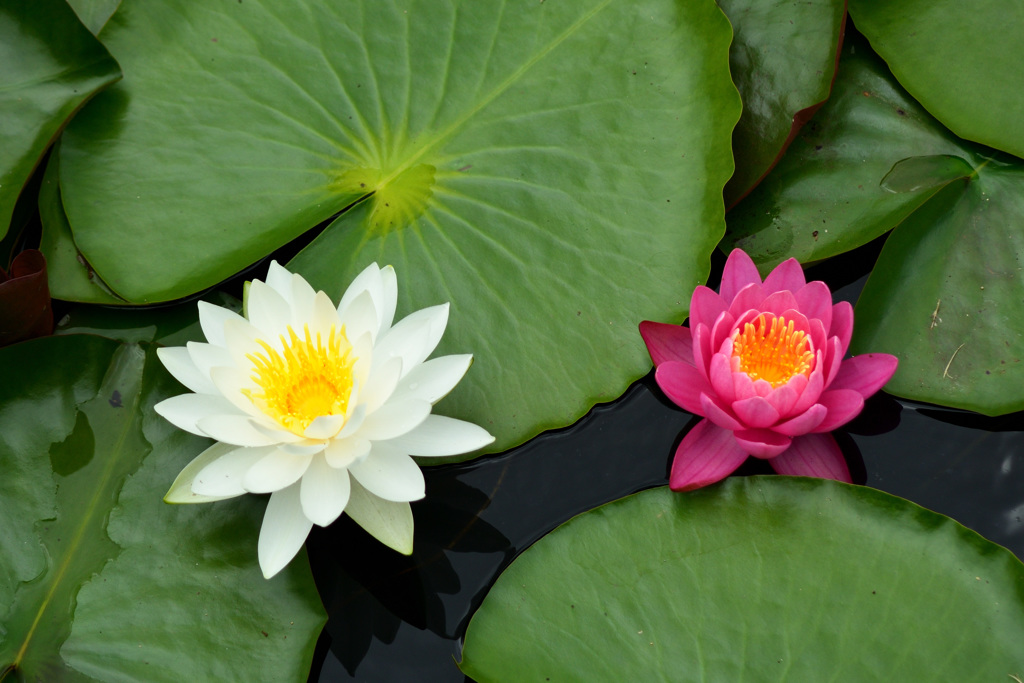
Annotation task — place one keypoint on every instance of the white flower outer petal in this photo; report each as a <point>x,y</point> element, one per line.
<point>394,419</point>
<point>238,430</point>
<point>212,319</point>
<point>303,300</point>
<point>414,337</point>
<point>280,280</point>
<point>439,435</point>
<point>275,471</point>
<point>360,317</point>
<point>223,476</point>
<point>323,318</point>
<point>343,452</point>
<point>433,380</point>
<point>179,363</point>
<point>207,356</point>
<point>241,341</point>
<point>267,310</point>
<point>181,490</point>
<point>283,532</point>
<point>390,474</point>
<point>186,410</point>
<point>389,522</point>
<point>389,299</point>
<point>230,382</point>
<point>324,492</point>
<point>368,281</point>
<point>384,377</point>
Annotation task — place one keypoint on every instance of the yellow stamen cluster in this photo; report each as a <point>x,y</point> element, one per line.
<point>303,381</point>
<point>774,353</point>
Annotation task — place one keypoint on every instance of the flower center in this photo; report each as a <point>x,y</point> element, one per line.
<point>305,380</point>
<point>774,353</point>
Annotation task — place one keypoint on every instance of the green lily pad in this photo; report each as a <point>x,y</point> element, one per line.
<point>51,66</point>
<point>872,160</point>
<point>94,13</point>
<point>99,578</point>
<point>962,61</point>
<point>759,578</point>
<point>782,59</point>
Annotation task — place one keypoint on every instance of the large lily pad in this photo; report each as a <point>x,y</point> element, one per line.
<point>100,579</point>
<point>760,578</point>
<point>870,161</point>
<point>51,66</point>
<point>783,59</point>
<point>962,61</point>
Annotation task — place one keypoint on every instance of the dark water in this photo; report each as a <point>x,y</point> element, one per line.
<point>394,618</point>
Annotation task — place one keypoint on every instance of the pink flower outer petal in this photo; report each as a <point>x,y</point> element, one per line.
<point>739,272</point>
<point>815,385</point>
<point>705,306</point>
<point>803,423</point>
<point>762,443</point>
<point>842,325</point>
<point>755,412</point>
<point>788,275</point>
<point>667,342</point>
<point>783,398</point>
<point>720,374</point>
<point>747,299</point>
<point>719,414</point>
<point>707,454</point>
<point>815,301</point>
<point>865,374</point>
<point>683,384</point>
<point>702,349</point>
<point>813,455</point>
<point>833,360</point>
<point>843,405</point>
<point>722,331</point>
<point>778,303</point>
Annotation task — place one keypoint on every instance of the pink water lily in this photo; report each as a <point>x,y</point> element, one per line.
<point>762,362</point>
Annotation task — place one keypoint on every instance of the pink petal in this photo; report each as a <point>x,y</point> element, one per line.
<point>702,348</point>
<point>720,374</point>
<point>787,275</point>
<point>813,455</point>
<point>718,413</point>
<point>706,455</point>
<point>739,272</point>
<point>783,398</point>
<point>683,384</point>
<point>763,388</point>
<point>843,405</point>
<point>778,302</point>
<point>815,384</point>
<point>815,301</point>
<point>865,374</point>
<point>801,321</point>
<point>842,325</point>
<point>833,361</point>
<point>819,334</point>
<point>742,385</point>
<point>722,330</point>
<point>747,299</point>
<point>761,443</point>
<point>803,423</point>
<point>667,342</point>
<point>755,412</point>
<point>705,306</point>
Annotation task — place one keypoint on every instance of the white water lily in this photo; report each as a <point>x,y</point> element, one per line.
<point>321,406</point>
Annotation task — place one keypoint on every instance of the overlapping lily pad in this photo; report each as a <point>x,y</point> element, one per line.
<point>765,578</point>
<point>783,59</point>
<point>101,580</point>
<point>51,66</point>
<point>962,61</point>
<point>552,169</point>
<point>949,279</point>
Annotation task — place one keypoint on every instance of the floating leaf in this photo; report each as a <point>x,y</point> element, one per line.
<point>94,13</point>
<point>99,578</point>
<point>872,160</point>
<point>774,578</point>
<point>51,66</point>
<point>783,59</point>
<point>962,61</point>
<point>552,169</point>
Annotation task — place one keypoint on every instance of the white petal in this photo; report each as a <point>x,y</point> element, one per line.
<point>343,452</point>
<point>389,298</point>
<point>433,380</point>
<point>234,429</point>
<point>387,521</point>
<point>230,382</point>
<point>414,337</point>
<point>324,492</point>
<point>275,471</point>
<point>280,280</point>
<point>353,421</point>
<point>241,339</point>
<point>181,490</point>
<point>267,310</point>
<point>223,476</point>
<point>212,319</point>
<point>368,281</point>
<point>304,447</point>
<point>439,435</point>
<point>283,532</point>
<point>273,430</point>
<point>178,362</point>
<point>393,419</point>
<point>381,384</point>
<point>364,353</point>
<point>324,427</point>
<point>389,474</point>
<point>360,317</point>
<point>302,300</point>
<point>207,356</point>
<point>323,317</point>
<point>185,410</point>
